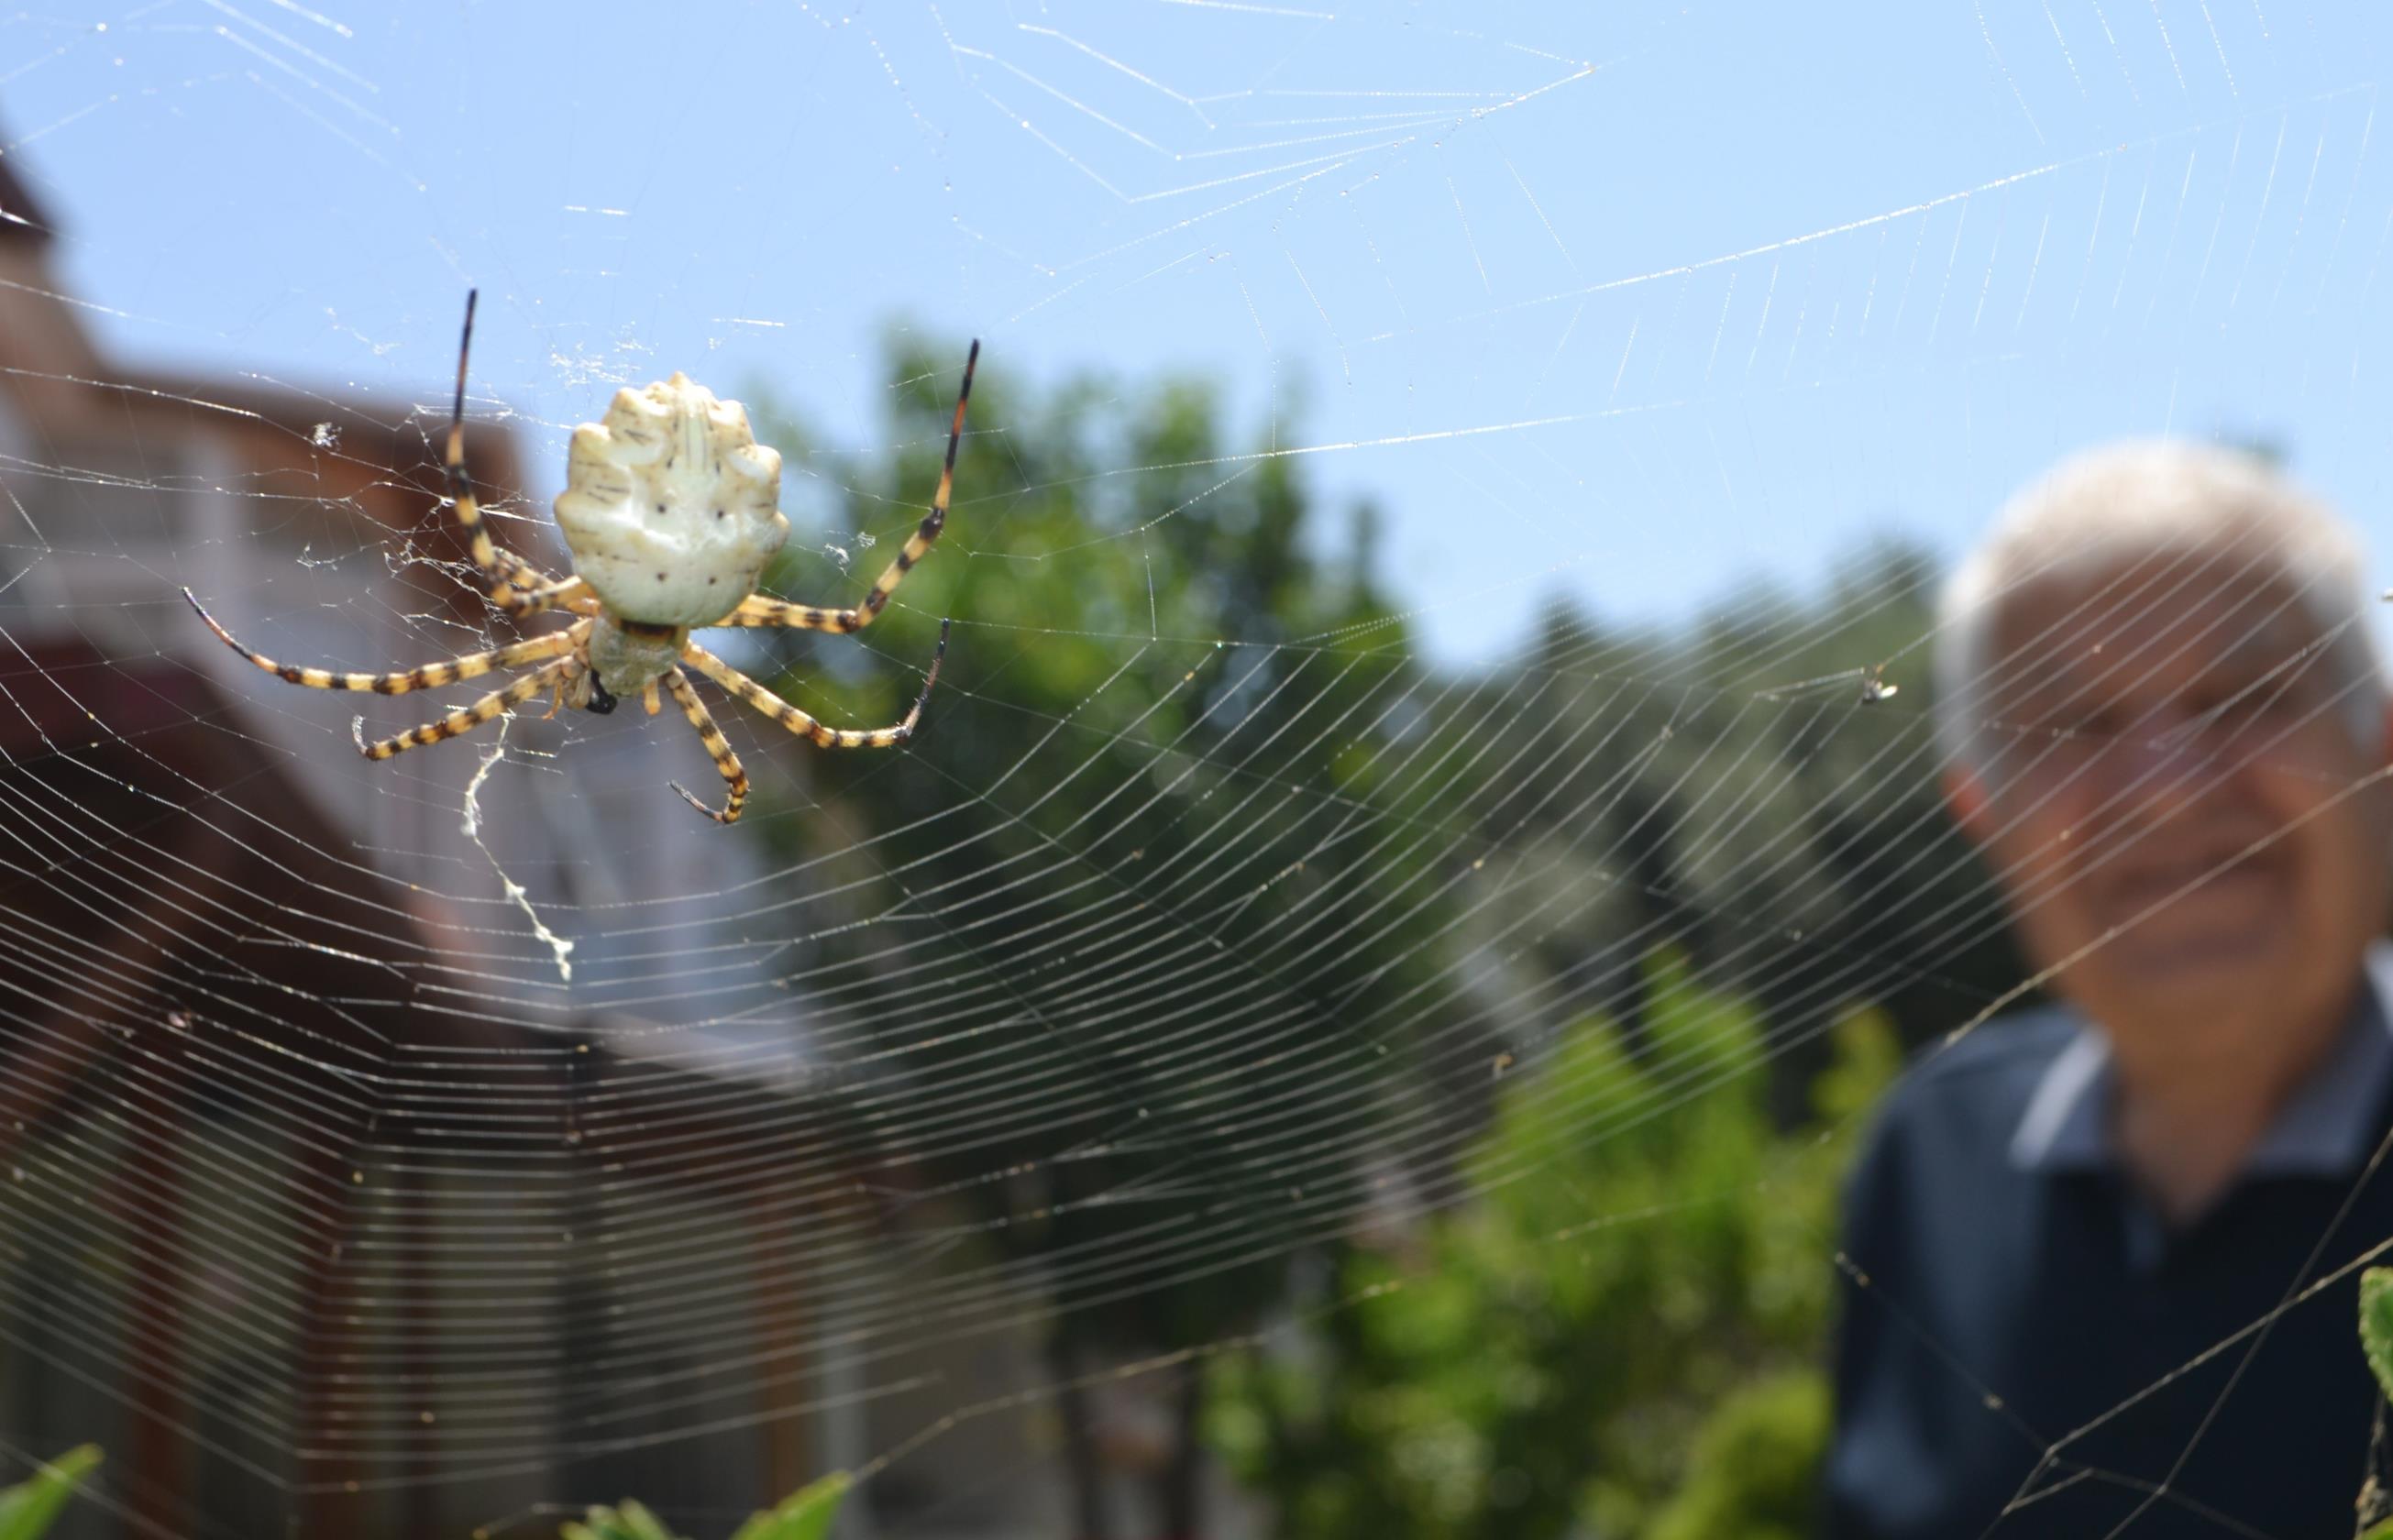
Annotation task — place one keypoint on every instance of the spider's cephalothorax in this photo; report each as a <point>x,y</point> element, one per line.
<point>627,657</point>
<point>669,510</point>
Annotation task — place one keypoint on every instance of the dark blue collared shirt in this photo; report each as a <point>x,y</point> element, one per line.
<point>2036,1353</point>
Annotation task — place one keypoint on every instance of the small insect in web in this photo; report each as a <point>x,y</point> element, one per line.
<point>1872,680</point>
<point>670,507</point>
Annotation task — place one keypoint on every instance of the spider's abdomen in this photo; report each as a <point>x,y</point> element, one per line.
<point>669,505</point>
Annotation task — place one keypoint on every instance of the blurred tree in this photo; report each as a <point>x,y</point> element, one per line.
<point>1194,847</point>
<point>1145,834</point>
<point>1761,791</point>
<point>1618,1337</point>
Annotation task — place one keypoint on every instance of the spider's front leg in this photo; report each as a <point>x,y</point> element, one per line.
<point>516,586</point>
<point>757,610</point>
<point>917,544</point>
<point>502,574</point>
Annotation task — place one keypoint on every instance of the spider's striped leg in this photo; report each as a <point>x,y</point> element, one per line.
<point>539,593</point>
<point>473,716</point>
<point>426,676</point>
<point>506,571</point>
<point>461,486</point>
<point>519,573</point>
<point>756,611</point>
<point>917,544</point>
<point>735,778</point>
<point>799,721</point>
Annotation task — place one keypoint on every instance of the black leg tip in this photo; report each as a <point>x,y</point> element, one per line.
<point>722,817</point>
<point>464,346</point>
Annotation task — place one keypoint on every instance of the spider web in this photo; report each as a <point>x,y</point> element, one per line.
<point>407,1147</point>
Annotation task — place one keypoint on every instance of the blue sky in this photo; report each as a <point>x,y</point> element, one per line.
<point>1639,300</point>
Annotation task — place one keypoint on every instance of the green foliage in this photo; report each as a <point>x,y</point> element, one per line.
<point>2376,1323</point>
<point>1152,796</point>
<point>1618,1336</point>
<point>29,1509</point>
<point>1192,834</point>
<point>1747,800</point>
<point>804,1515</point>
<point>1754,1466</point>
<point>630,1522</point>
<point>1150,805</point>
<point>2376,1343</point>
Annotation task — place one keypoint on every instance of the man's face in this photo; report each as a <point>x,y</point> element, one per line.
<point>2176,804</point>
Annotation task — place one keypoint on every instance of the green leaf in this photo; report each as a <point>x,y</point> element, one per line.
<point>30,1506</point>
<point>630,1522</point>
<point>804,1515</point>
<point>2376,1323</point>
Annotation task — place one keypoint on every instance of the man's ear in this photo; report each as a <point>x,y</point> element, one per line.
<point>1966,797</point>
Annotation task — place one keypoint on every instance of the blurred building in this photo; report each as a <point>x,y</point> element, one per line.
<point>318,1185</point>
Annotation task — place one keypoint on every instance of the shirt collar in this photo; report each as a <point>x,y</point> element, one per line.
<point>2327,1128</point>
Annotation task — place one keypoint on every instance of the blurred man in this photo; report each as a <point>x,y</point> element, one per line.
<point>2100,1254</point>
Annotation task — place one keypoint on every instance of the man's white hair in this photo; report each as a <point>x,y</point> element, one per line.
<point>2144,504</point>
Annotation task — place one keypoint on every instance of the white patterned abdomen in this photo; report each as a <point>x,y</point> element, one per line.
<point>671,506</point>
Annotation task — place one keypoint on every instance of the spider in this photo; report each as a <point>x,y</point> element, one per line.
<point>669,504</point>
